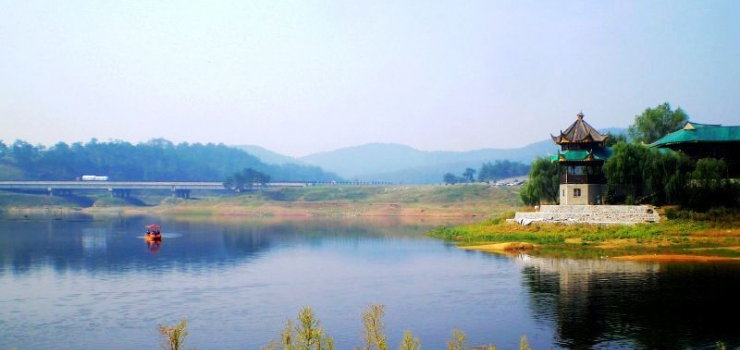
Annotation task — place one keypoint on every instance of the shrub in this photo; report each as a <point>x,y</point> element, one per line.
<point>173,337</point>
<point>305,335</point>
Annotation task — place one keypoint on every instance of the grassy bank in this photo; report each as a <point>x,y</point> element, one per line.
<point>680,236</point>
<point>407,201</point>
<point>427,201</point>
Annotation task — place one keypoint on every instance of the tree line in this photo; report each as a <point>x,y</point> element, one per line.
<point>154,160</point>
<point>636,173</point>
<point>500,169</point>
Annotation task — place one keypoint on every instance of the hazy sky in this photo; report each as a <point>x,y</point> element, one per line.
<point>305,76</point>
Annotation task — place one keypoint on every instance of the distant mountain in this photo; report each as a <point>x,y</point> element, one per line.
<point>403,164</point>
<point>396,163</point>
<point>613,131</point>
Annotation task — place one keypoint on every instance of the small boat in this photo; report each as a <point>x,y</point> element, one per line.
<point>153,233</point>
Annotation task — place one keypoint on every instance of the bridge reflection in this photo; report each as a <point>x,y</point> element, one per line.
<point>180,189</point>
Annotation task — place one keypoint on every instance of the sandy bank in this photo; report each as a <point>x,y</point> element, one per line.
<point>509,247</point>
<point>673,258</point>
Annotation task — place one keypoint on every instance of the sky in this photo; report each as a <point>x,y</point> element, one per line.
<point>304,76</point>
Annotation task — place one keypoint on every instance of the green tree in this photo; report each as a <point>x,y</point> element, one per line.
<point>450,178</point>
<point>3,150</point>
<point>665,174</point>
<point>624,170</point>
<point>613,139</point>
<point>469,174</point>
<point>655,123</point>
<point>710,186</point>
<point>24,154</point>
<point>245,180</point>
<point>501,169</point>
<point>543,183</point>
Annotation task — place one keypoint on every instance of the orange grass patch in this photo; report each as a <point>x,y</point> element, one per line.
<point>509,247</point>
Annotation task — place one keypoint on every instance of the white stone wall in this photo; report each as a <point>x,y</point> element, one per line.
<point>595,214</point>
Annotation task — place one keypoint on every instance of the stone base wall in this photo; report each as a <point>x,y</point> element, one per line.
<point>590,214</point>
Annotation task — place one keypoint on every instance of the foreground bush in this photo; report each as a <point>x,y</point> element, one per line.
<point>172,337</point>
<point>308,335</point>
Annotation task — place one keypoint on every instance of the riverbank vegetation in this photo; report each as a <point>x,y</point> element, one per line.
<point>714,234</point>
<point>307,334</point>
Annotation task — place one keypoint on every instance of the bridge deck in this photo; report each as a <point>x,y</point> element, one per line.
<point>109,185</point>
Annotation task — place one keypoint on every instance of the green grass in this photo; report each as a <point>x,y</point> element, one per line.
<point>409,194</point>
<point>23,200</point>
<point>679,236</point>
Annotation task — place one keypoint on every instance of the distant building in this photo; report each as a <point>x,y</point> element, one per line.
<point>699,141</point>
<point>581,157</point>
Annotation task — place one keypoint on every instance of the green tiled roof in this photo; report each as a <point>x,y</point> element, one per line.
<point>596,154</point>
<point>693,133</point>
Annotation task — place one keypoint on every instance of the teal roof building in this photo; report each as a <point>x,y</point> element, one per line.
<point>699,141</point>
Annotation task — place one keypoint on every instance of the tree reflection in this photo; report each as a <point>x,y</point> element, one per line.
<point>608,304</point>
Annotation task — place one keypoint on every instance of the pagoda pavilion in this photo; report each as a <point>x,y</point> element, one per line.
<point>581,157</point>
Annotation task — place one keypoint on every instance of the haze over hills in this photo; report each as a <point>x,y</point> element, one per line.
<point>396,163</point>
<point>403,164</point>
<point>268,156</point>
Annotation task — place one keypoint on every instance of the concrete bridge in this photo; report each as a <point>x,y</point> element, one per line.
<point>123,188</point>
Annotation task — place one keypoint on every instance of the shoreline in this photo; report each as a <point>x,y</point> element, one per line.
<point>516,248</point>
<point>478,219</point>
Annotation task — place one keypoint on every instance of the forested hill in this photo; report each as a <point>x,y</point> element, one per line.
<point>155,160</point>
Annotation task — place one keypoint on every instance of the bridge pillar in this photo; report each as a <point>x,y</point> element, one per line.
<point>120,193</point>
<point>180,193</point>
<point>58,191</point>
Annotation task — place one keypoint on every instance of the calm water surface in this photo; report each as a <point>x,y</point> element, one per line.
<point>92,283</point>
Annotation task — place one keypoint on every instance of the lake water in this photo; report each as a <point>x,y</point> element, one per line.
<point>92,283</point>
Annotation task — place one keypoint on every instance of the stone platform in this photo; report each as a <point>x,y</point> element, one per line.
<point>589,214</point>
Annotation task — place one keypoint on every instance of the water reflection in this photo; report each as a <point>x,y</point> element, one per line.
<point>612,304</point>
<point>83,242</point>
<point>95,279</point>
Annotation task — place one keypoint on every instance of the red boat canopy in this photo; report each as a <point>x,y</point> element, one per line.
<point>152,227</point>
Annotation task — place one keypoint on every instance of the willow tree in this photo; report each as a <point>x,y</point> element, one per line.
<point>666,175</point>
<point>625,169</point>
<point>711,186</point>
<point>543,183</point>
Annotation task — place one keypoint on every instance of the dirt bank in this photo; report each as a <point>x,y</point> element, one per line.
<point>673,258</point>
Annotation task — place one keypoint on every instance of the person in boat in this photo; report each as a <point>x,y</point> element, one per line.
<point>152,232</point>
